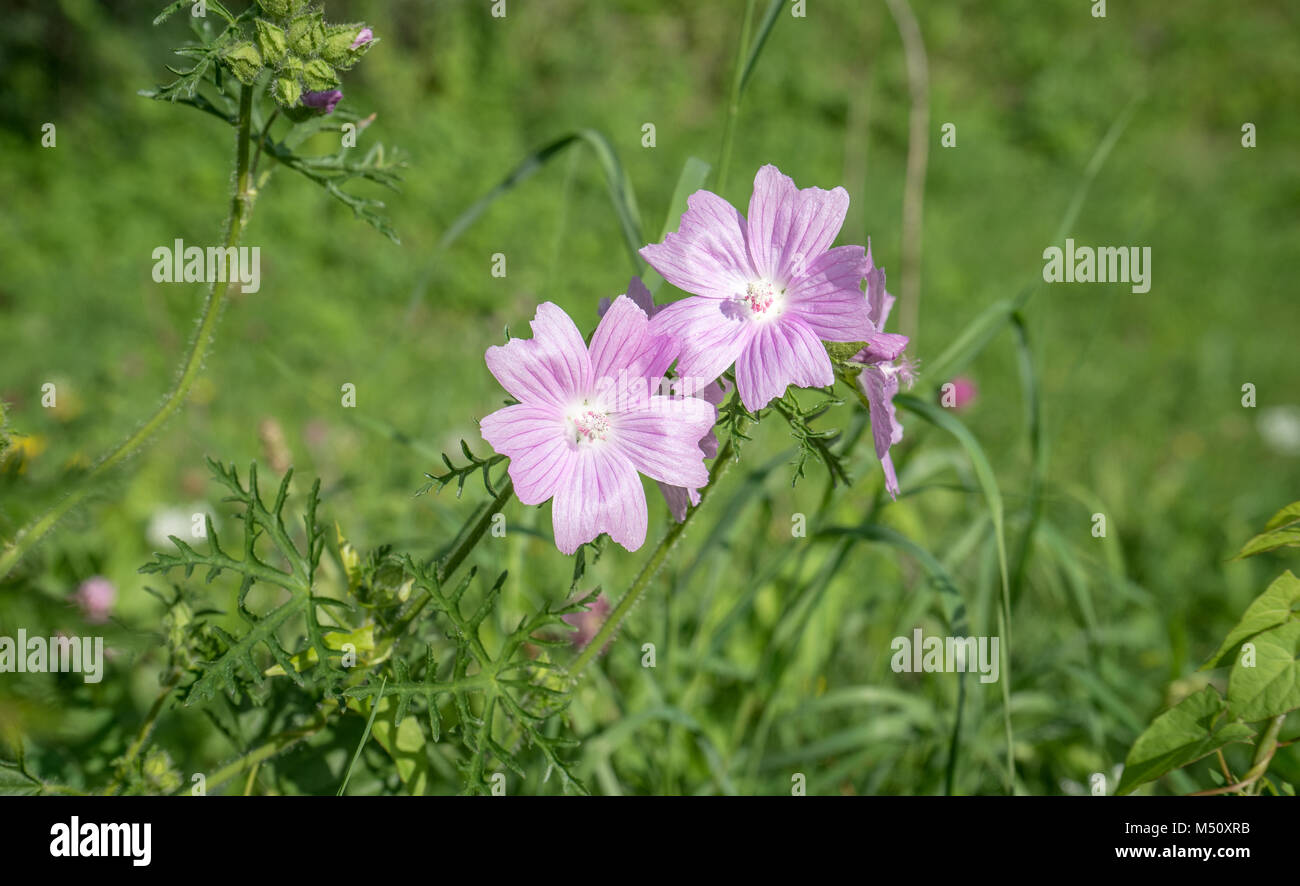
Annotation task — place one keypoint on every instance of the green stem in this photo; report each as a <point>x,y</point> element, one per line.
<point>465,542</point>
<point>733,103</point>
<point>721,465</point>
<point>142,736</point>
<point>240,209</point>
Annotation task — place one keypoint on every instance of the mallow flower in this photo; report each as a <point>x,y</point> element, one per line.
<point>589,419</point>
<point>883,367</point>
<point>679,498</point>
<point>324,100</point>
<point>766,291</point>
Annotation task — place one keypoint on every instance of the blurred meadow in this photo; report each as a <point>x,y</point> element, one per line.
<point>773,652</point>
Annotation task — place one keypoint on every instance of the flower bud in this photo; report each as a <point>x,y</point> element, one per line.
<point>324,100</point>
<point>345,44</point>
<point>271,40</point>
<point>318,76</point>
<point>307,34</point>
<point>287,91</point>
<point>282,8</point>
<point>244,62</point>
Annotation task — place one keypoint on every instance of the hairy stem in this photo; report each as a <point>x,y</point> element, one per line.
<point>240,210</point>
<point>721,465</point>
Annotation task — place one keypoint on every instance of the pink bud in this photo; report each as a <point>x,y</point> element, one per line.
<point>322,101</point>
<point>364,36</point>
<point>95,598</point>
<point>964,392</point>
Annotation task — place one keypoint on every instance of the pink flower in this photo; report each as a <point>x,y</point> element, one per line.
<point>323,101</point>
<point>962,393</point>
<point>767,291</point>
<point>679,498</point>
<point>881,373</point>
<point>364,36</point>
<point>95,598</point>
<point>589,419</point>
<point>588,623</point>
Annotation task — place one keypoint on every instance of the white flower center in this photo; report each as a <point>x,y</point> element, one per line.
<point>587,425</point>
<point>763,299</point>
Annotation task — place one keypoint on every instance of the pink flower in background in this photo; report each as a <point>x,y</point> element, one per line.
<point>881,373</point>
<point>95,598</point>
<point>588,623</point>
<point>767,291</point>
<point>679,498</point>
<point>323,101</point>
<point>962,393</point>
<point>588,420</point>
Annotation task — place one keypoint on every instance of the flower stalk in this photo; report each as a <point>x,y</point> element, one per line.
<point>721,464</point>
<point>241,207</point>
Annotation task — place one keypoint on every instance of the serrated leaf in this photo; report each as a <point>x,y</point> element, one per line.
<point>1181,735</point>
<point>1275,606</point>
<point>1272,686</point>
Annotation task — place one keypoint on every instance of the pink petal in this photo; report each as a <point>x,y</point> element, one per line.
<point>679,500</point>
<point>707,254</point>
<point>828,299</point>
<point>551,367</point>
<point>882,347</point>
<point>879,300</point>
<point>533,438</point>
<point>712,333</point>
<point>663,440</point>
<point>638,293</point>
<point>626,356</point>
<point>602,493</point>
<point>789,228</point>
<point>782,353</point>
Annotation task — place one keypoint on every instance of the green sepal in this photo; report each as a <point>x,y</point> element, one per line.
<point>287,91</point>
<point>244,61</point>
<point>307,34</point>
<point>271,40</point>
<point>318,76</point>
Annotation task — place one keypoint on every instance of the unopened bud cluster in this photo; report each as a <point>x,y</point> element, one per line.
<point>303,52</point>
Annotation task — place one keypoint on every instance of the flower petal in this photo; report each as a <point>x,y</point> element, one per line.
<point>789,228</point>
<point>533,438</point>
<point>551,367</point>
<point>602,493</point>
<point>638,293</point>
<point>679,500</point>
<point>880,387</point>
<point>882,347</point>
<point>879,300</point>
<point>627,356</point>
<point>707,255</point>
<point>828,298</point>
<point>663,440</point>
<point>712,335</point>
<point>782,353</point>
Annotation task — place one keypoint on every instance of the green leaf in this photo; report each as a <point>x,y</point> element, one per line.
<point>1287,536</point>
<point>1275,606</point>
<point>694,174</point>
<point>1288,515</point>
<point>1272,686</point>
<point>620,189</point>
<point>1181,735</point>
<point>14,782</point>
